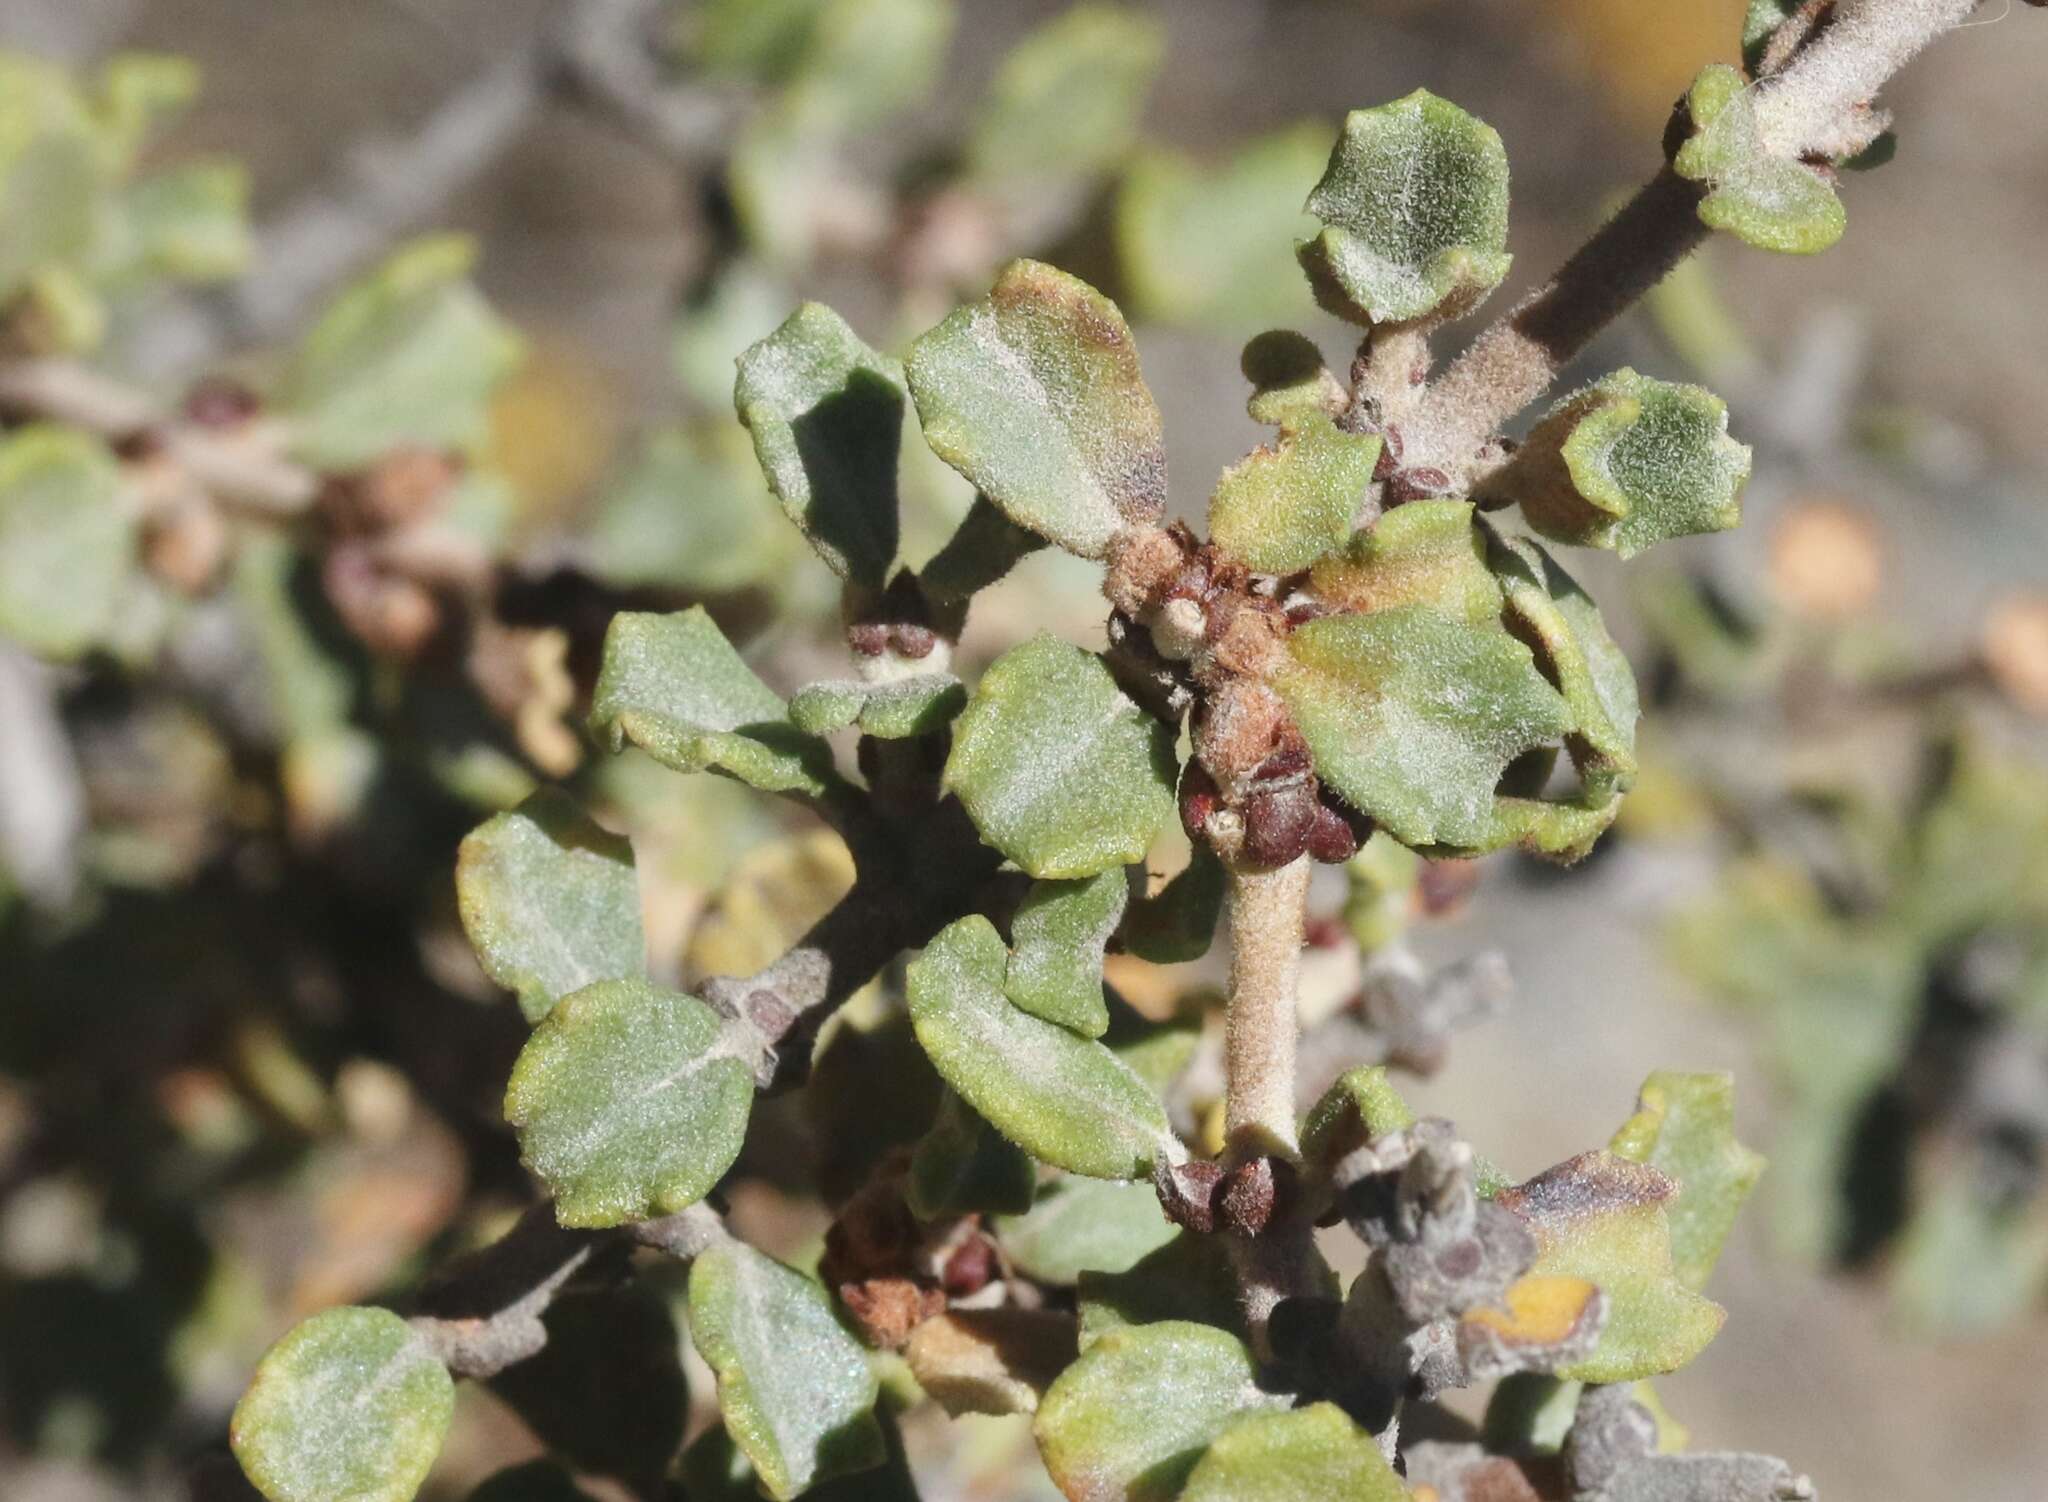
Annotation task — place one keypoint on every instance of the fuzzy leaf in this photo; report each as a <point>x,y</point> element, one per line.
<point>1767,200</point>
<point>1177,923</point>
<point>408,355</point>
<point>1627,463</point>
<point>714,1469</point>
<point>628,1103</point>
<point>1290,382</point>
<point>67,543</point>
<point>673,686</point>
<point>1602,1218</point>
<point>1157,1052</point>
<point>1204,244</point>
<point>1308,1454</point>
<point>1130,1419</point>
<point>1414,205</point>
<point>1034,394</point>
<point>1058,937</point>
<point>1577,654</point>
<point>1424,553</point>
<point>1358,1109</point>
<point>187,224</point>
<point>687,510</point>
<point>350,1403</point>
<point>1066,101</point>
<point>1062,1098</point>
<point>964,1166</point>
<point>888,711</point>
<point>1189,1278</point>
<point>795,1388</point>
<point>826,413</point>
<point>1280,509</point>
<point>606,1393</point>
<point>865,60</point>
<point>1059,769</point>
<point>1684,1127</point>
<point>1412,716</point>
<point>549,901</point>
<point>51,173</point>
<point>1085,1225</point>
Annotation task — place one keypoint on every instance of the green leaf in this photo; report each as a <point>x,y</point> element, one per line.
<point>549,901</point>
<point>351,1404</point>
<point>1060,769</point>
<point>866,60</point>
<point>1414,205</point>
<point>1130,1419</point>
<point>794,1386</point>
<point>67,541</point>
<point>1969,1264</point>
<point>1627,463</point>
<point>140,95</point>
<point>188,224</point>
<point>1209,245</point>
<point>1062,1098</point>
<point>964,1166</point>
<point>1034,394</point>
<point>51,172</point>
<point>892,711</point>
<point>714,1469</point>
<point>1067,99</point>
<point>1058,937</point>
<point>1189,1278</point>
<point>686,511</point>
<point>1290,382</point>
<point>408,355</point>
<point>1424,553</point>
<point>1283,507</point>
<point>1602,1218</point>
<point>606,1393</point>
<point>673,686</point>
<point>1311,1454</point>
<point>1358,1109</point>
<point>1684,1127</point>
<point>1578,655</point>
<point>628,1102</point>
<point>1767,200</point>
<point>1085,1225</point>
<point>983,548</point>
<point>826,413</point>
<point>1412,716</point>
<point>1177,923</point>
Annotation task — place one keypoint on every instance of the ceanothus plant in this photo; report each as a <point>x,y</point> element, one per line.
<point>1364,656</point>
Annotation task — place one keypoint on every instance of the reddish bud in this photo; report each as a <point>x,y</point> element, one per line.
<point>1444,886</point>
<point>1251,1197</point>
<point>970,1269</point>
<point>1199,798</point>
<point>1330,839</point>
<point>1390,454</point>
<point>868,638</point>
<point>1188,1192</point>
<point>1277,824</point>
<point>220,402</point>
<point>1419,484</point>
<point>913,641</point>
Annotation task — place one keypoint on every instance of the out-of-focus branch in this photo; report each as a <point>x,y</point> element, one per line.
<point>605,57</point>
<point>42,800</point>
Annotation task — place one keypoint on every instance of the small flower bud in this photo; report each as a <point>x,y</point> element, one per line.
<point>1330,839</point>
<point>220,402</point>
<point>1188,1193</point>
<point>868,638</point>
<point>1277,824</point>
<point>1198,799</point>
<point>1419,484</point>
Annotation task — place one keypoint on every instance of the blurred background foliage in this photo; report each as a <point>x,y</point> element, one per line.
<point>248,1068</point>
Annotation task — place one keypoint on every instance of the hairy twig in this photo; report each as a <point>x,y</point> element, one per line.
<point>1268,912</point>
<point>1515,360</point>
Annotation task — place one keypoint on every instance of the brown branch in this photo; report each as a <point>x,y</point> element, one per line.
<point>1515,360</point>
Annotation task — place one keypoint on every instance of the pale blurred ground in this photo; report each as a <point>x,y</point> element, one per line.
<point>1942,269</point>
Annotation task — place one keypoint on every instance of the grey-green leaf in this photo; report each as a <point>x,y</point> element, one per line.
<point>1770,201</point>
<point>549,901</point>
<point>1062,1098</point>
<point>892,711</point>
<point>1282,507</point>
<point>1177,923</point>
<point>1626,463</point>
<point>1085,1225</point>
<point>1414,205</point>
<point>67,543</point>
<point>1130,1419</point>
<point>629,1103</point>
<point>826,413</point>
<point>1313,1454</point>
<point>409,355</point>
<point>1066,101</point>
<point>1057,942</point>
<point>795,1388</point>
<point>350,1403</point>
<point>1412,715</point>
<point>1034,394</point>
<point>1058,767</point>
<point>674,686</point>
<point>964,1166</point>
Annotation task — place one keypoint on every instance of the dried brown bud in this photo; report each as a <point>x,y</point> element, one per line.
<point>1419,484</point>
<point>1278,822</point>
<point>1188,1193</point>
<point>1198,799</point>
<point>1144,565</point>
<point>1254,1194</point>
<point>217,401</point>
<point>888,1309</point>
<point>1331,840</point>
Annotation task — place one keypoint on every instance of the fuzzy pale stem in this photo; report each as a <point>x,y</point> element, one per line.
<point>1865,43</point>
<point>1268,912</point>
